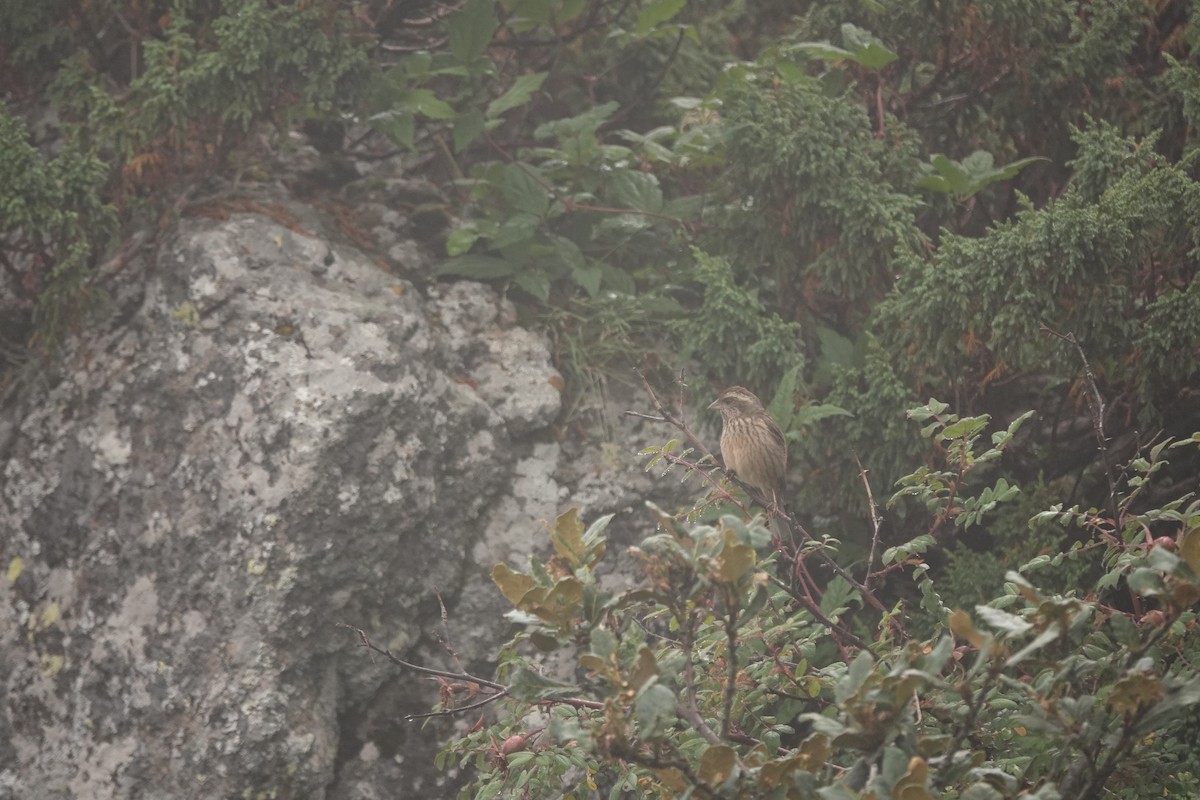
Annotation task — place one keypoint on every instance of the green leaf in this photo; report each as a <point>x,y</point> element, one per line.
<point>617,280</point>
<point>531,687</point>
<point>859,669</point>
<point>522,191</point>
<point>460,240</point>
<point>867,49</point>
<point>974,173</point>
<point>822,50</point>
<point>517,229</point>
<point>654,709</point>
<point>782,402</point>
<point>470,29</point>
<point>467,128</point>
<point>837,597</point>
<point>396,125</point>
<point>639,190</point>
<point>807,415</point>
<point>1002,620</point>
<point>517,95</point>
<point>588,277</point>
<point>685,207</point>
<point>604,643</point>
<point>535,283</point>
<point>981,791</point>
<point>1146,581</point>
<point>655,13</point>
<point>426,102</point>
<point>477,267</point>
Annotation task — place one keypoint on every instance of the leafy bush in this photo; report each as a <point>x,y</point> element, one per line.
<point>53,220</point>
<point>723,675</point>
<point>140,133</point>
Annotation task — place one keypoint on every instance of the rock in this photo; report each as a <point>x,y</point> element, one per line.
<point>268,445</point>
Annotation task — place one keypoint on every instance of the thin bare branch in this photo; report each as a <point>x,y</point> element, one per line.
<point>440,673</point>
<point>1096,406</point>
<point>862,472</point>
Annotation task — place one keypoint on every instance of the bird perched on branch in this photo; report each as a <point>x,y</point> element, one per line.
<point>753,447</point>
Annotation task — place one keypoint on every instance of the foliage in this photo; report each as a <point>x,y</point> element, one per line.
<point>142,132</point>
<point>714,679</point>
<point>825,204</point>
<point>732,332</point>
<point>849,206</point>
<point>52,219</point>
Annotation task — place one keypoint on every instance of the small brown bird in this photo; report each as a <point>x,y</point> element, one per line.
<point>752,445</point>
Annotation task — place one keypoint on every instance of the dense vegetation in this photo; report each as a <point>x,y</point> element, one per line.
<point>850,207</point>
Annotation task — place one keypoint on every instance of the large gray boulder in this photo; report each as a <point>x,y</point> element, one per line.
<point>272,436</point>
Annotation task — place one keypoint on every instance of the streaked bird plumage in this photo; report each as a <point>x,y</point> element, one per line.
<point>752,445</point>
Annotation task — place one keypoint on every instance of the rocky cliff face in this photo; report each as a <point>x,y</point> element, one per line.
<point>270,437</point>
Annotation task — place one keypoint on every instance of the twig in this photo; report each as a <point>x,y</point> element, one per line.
<point>688,710</point>
<point>441,673</point>
<point>1096,406</point>
<point>731,662</point>
<point>449,712</point>
<point>874,521</point>
<point>834,628</point>
<point>444,640</point>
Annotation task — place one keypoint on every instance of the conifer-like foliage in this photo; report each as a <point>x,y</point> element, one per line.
<point>849,206</point>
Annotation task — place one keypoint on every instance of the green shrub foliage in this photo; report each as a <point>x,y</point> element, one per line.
<point>722,675</point>
<point>849,206</point>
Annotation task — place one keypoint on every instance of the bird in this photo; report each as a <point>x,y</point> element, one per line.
<point>753,447</point>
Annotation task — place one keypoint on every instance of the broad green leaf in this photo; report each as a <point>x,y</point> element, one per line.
<point>425,102</point>
<point>588,278</point>
<point>467,128</point>
<point>639,190</point>
<point>470,29</point>
<point>517,229</point>
<point>823,50</point>
<point>859,669</point>
<point>584,123</point>
<point>397,125</point>
<point>807,415</point>
<point>617,280</point>
<point>782,402</point>
<point>522,190</point>
<point>655,13</point>
<point>685,207</point>
<point>1002,620</point>
<point>866,49</point>
<point>535,11</point>
<point>654,709</point>
<point>604,643</point>
<point>531,687</point>
<point>535,283</point>
<point>1189,548</point>
<point>1146,581</point>
<point>517,95</point>
<point>460,240</point>
<point>837,597</point>
<point>477,267</point>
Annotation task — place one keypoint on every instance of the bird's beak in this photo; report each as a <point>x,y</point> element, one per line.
<point>713,405</point>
